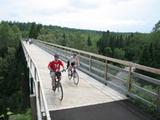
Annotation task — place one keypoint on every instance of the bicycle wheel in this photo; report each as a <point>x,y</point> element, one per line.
<point>75,78</point>
<point>60,91</point>
<point>69,74</point>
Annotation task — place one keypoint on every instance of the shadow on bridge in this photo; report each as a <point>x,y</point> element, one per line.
<point>119,110</point>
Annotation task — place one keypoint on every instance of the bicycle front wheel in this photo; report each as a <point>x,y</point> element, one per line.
<point>60,91</point>
<point>75,78</point>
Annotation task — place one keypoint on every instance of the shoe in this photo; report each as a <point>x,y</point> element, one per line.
<point>53,88</point>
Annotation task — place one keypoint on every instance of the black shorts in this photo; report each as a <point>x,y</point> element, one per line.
<point>58,74</point>
<point>72,64</point>
<point>68,64</point>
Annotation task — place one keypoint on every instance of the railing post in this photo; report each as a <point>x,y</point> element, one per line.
<point>106,70</point>
<point>129,79</point>
<point>79,59</point>
<point>158,100</point>
<point>90,62</point>
<point>35,73</point>
<point>31,63</point>
<point>39,98</point>
<point>27,57</point>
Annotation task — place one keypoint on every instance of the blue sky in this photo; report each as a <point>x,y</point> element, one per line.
<point>113,15</point>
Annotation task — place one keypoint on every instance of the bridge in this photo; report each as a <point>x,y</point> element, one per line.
<point>106,86</point>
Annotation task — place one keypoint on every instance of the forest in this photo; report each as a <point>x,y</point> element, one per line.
<point>142,48</point>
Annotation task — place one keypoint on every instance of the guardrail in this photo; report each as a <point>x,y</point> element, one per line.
<point>41,102</point>
<point>118,74</point>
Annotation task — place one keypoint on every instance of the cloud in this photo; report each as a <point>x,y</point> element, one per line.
<point>84,4</point>
<point>116,15</point>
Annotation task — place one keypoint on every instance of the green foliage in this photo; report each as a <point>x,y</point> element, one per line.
<point>34,30</point>
<point>89,42</point>
<point>108,51</point>
<point>151,52</point>
<point>119,53</point>
<point>104,42</point>
<point>157,27</point>
<point>79,39</point>
<point>123,46</point>
<point>25,116</point>
<point>150,108</point>
<point>10,84</point>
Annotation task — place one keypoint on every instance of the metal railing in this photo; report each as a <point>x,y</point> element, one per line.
<point>41,102</point>
<point>118,74</point>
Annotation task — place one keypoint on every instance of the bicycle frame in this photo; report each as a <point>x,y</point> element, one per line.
<point>58,84</point>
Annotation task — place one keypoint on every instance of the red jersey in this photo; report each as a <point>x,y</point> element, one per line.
<point>55,65</point>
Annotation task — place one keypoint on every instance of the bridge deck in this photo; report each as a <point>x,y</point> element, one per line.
<point>89,92</point>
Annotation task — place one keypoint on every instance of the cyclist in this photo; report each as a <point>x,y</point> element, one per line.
<point>30,41</point>
<point>73,61</point>
<point>54,67</point>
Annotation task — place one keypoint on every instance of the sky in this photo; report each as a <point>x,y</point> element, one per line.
<point>103,15</point>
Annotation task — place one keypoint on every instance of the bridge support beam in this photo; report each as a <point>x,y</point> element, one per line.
<point>33,106</point>
<point>31,83</point>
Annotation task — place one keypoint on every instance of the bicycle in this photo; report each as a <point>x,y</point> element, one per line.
<point>58,86</point>
<point>72,73</point>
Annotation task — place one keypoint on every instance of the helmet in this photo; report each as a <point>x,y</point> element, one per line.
<point>74,54</point>
<point>56,56</point>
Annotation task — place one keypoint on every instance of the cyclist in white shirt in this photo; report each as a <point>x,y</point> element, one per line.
<point>73,61</point>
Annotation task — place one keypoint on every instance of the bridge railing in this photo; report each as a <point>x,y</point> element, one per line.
<point>118,74</point>
<point>41,102</point>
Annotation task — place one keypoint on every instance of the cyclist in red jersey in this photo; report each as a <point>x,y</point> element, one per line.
<point>54,67</point>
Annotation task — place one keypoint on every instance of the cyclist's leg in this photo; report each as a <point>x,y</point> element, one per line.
<point>53,80</point>
<point>68,64</point>
<point>75,76</point>
<point>74,70</point>
<point>58,75</point>
<point>70,69</point>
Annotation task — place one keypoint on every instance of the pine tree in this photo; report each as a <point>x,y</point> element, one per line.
<point>89,42</point>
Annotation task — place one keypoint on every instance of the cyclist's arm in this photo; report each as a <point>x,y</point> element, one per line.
<point>61,64</point>
<point>49,67</point>
<point>77,59</point>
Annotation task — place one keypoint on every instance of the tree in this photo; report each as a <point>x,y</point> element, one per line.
<point>108,52</point>
<point>103,42</point>
<point>89,42</point>
<point>157,27</point>
<point>10,95</point>
<point>63,40</point>
<point>34,30</point>
<point>5,37</point>
<point>119,53</point>
<point>151,52</point>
